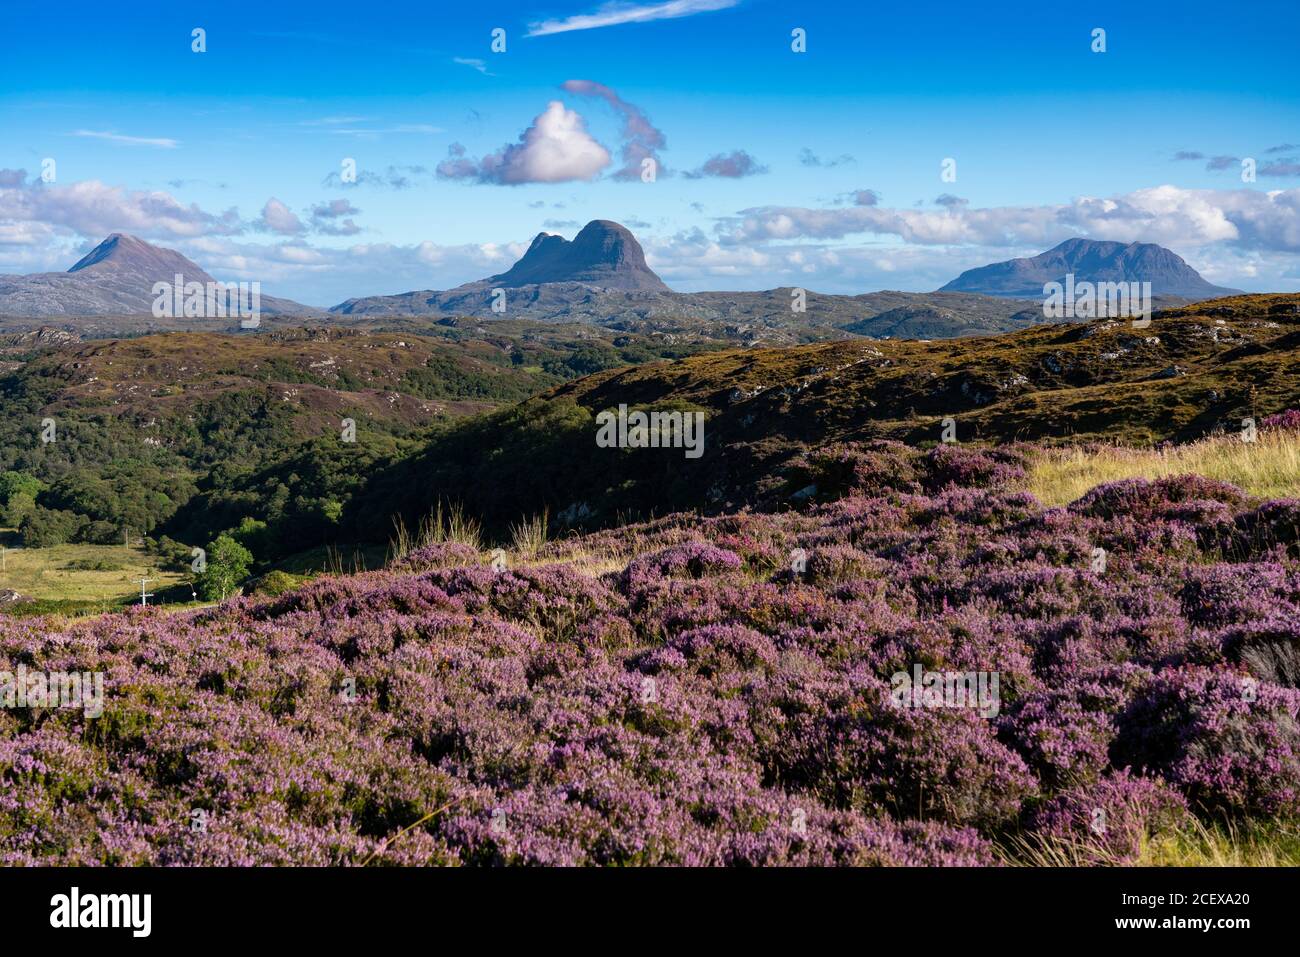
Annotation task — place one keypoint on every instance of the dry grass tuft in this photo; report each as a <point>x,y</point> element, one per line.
<point>1267,468</point>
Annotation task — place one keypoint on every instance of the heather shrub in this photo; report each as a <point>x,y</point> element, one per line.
<point>691,560</point>
<point>1109,820</point>
<point>1282,421</point>
<point>832,564</point>
<point>1273,523</point>
<point>1226,593</point>
<point>1145,499</point>
<point>1227,740</point>
<point>970,468</point>
<point>447,554</point>
<point>858,750</point>
<point>871,468</point>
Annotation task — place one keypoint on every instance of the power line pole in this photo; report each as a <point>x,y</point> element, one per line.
<point>145,596</point>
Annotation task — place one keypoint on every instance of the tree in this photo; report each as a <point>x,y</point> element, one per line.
<point>228,563</point>
<point>47,526</point>
<point>19,506</point>
<point>12,483</point>
<point>18,492</point>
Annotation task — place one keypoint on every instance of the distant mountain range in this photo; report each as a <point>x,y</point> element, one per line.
<point>115,278</point>
<point>1092,261</point>
<point>601,277</point>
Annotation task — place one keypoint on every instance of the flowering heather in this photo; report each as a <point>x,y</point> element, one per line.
<point>1288,420</point>
<point>686,691</point>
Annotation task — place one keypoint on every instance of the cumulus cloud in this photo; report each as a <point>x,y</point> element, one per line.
<point>641,138</point>
<point>733,165</point>
<point>1221,162</point>
<point>334,218</point>
<point>279,218</point>
<point>615,13</point>
<point>93,209</point>
<point>1163,214</point>
<point>321,276</point>
<point>557,148</point>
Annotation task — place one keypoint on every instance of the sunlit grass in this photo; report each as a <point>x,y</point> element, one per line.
<point>1268,467</point>
<point>1221,844</point>
<point>51,573</point>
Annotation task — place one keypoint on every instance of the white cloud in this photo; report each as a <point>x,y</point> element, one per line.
<point>422,129</point>
<point>1168,215</point>
<point>474,63</point>
<point>159,141</point>
<point>641,138</point>
<point>279,218</point>
<point>615,14</point>
<point>557,148</point>
<point>92,209</point>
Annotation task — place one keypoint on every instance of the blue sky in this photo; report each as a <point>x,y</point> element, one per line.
<point>819,169</point>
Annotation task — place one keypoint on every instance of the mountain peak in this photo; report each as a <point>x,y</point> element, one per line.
<point>116,278</point>
<point>604,253</point>
<point>121,253</point>
<point>1090,260</point>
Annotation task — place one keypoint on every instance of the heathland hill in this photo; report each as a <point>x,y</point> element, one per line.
<point>1196,369</point>
<point>1091,261</point>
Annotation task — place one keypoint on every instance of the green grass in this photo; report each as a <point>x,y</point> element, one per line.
<point>52,574</point>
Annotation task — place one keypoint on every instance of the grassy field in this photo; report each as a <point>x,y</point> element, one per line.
<point>80,573</point>
<point>1269,467</point>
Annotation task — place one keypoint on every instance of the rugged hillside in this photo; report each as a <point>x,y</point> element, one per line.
<point>1193,370</point>
<point>115,278</point>
<point>1091,261</point>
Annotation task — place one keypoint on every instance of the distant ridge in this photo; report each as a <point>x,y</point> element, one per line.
<point>116,278</point>
<point>601,277</point>
<point>1091,261</point>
